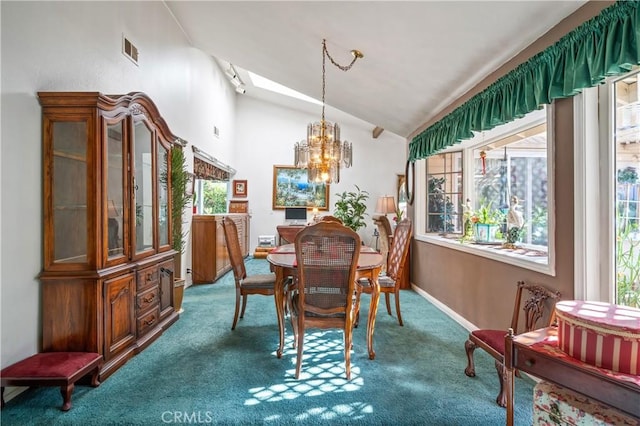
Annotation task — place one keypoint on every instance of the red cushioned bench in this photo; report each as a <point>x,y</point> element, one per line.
<point>53,369</point>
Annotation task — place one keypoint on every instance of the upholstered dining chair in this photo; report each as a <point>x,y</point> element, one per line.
<point>323,297</point>
<point>538,311</point>
<point>245,284</point>
<point>390,283</point>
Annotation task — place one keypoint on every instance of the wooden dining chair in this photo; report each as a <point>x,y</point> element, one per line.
<point>323,297</point>
<point>385,237</point>
<point>329,218</point>
<point>245,284</point>
<point>390,283</point>
<point>540,300</point>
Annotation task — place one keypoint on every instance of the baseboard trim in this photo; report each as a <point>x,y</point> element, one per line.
<point>444,308</point>
<point>454,316</point>
<point>11,392</point>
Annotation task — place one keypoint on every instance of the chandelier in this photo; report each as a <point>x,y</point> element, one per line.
<point>323,153</point>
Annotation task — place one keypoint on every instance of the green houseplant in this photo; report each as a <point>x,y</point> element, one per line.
<point>486,223</point>
<point>351,208</point>
<point>179,201</point>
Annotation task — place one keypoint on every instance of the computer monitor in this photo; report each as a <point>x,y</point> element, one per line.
<point>296,214</point>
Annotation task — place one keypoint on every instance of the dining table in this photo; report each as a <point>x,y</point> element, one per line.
<point>283,263</point>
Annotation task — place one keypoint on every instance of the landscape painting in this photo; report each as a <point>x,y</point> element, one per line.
<point>291,188</point>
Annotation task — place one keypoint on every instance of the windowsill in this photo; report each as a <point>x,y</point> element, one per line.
<point>523,258</point>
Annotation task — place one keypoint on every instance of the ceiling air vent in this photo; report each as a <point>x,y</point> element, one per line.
<point>129,50</point>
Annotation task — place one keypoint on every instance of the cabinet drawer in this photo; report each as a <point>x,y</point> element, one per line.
<point>593,384</point>
<point>148,321</point>
<point>147,299</point>
<point>147,277</point>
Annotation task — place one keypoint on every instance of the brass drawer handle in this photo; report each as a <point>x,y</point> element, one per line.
<point>150,322</point>
<point>149,299</point>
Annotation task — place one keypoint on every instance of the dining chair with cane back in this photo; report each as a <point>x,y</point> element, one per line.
<point>323,296</point>
<point>329,218</point>
<point>536,315</point>
<point>390,283</point>
<point>245,284</point>
<point>385,237</point>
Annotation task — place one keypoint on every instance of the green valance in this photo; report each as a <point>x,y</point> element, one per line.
<point>606,45</point>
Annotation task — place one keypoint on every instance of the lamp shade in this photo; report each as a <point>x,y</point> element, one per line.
<point>386,204</point>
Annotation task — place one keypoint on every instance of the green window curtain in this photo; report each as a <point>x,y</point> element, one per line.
<point>608,44</point>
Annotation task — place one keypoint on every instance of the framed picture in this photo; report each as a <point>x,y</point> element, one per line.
<point>239,188</point>
<point>291,188</point>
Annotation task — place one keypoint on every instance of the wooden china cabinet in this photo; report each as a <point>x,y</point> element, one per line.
<point>107,280</point>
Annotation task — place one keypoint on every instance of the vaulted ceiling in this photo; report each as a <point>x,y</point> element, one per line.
<point>418,55</point>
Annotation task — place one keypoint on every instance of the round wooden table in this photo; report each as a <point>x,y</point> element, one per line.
<point>283,263</point>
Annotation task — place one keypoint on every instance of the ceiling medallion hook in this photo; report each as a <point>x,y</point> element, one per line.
<point>323,153</point>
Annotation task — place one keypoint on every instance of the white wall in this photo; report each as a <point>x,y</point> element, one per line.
<point>76,46</point>
<point>266,134</point>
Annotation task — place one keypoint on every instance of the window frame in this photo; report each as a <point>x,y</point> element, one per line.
<point>447,172</point>
<point>594,149</point>
<point>530,120</point>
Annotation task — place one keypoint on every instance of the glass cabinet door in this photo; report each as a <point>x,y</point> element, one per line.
<point>163,196</point>
<point>69,167</point>
<point>115,166</point>
<point>143,186</point>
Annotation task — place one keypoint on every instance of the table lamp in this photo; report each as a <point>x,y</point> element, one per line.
<point>386,204</point>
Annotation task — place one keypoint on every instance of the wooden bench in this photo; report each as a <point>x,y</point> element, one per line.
<point>53,369</point>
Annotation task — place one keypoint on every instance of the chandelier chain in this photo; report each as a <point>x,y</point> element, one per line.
<point>323,153</point>
<point>342,67</point>
<point>325,53</point>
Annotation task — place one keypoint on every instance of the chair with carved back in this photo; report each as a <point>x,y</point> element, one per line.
<point>329,218</point>
<point>245,284</point>
<point>323,297</point>
<point>385,237</point>
<point>539,311</point>
<point>390,283</point>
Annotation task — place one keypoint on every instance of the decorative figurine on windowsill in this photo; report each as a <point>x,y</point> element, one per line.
<point>467,223</point>
<point>515,224</point>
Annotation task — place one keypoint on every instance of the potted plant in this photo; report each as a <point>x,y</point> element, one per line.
<point>179,201</point>
<point>486,224</point>
<point>351,208</point>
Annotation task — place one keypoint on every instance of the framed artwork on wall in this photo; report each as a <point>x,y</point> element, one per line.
<point>239,188</point>
<point>291,188</point>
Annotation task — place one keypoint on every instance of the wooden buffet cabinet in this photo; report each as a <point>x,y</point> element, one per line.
<point>107,279</point>
<point>210,258</point>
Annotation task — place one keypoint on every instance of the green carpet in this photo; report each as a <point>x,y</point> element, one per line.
<point>201,372</point>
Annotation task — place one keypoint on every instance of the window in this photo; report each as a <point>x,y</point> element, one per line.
<point>211,196</point>
<point>627,190</point>
<point>510,172</point>
<point>489,180</point>
<point>607,119</point>
<point>444,192</point>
